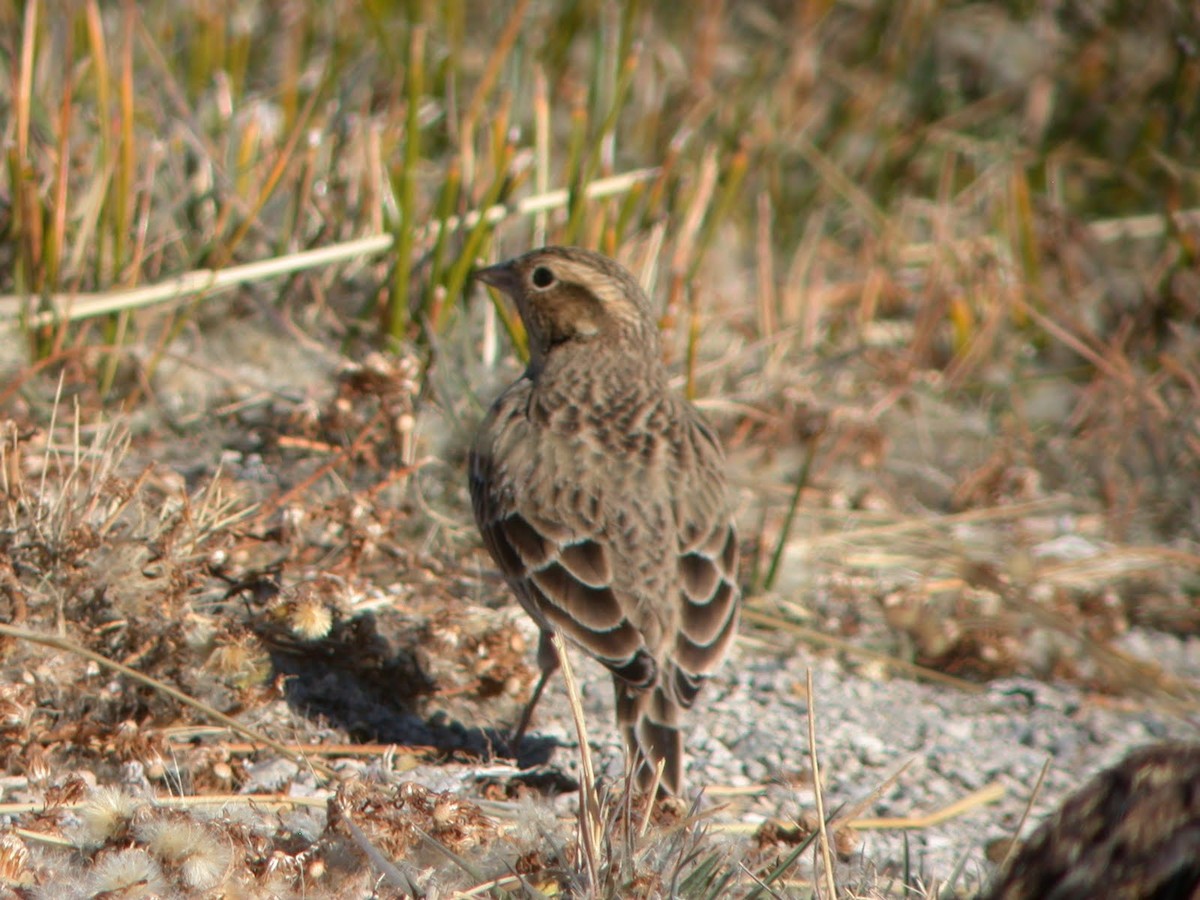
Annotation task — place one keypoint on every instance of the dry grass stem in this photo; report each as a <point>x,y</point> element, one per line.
<point>826,866</point>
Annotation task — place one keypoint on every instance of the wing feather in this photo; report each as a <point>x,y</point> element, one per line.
<point>708,558</point>
<point>555,554</point>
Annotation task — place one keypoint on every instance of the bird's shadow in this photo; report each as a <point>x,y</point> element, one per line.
<point>372,687</point>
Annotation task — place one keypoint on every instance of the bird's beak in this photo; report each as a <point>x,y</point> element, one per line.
<point>502,277</point>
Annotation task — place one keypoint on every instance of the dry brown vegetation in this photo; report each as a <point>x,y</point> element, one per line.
<point>932,270</point>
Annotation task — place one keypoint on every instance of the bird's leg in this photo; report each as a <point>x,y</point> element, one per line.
<point>548,662</point>
<point>514,742</point>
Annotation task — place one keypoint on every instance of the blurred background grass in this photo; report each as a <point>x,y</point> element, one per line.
<point>146,140</point>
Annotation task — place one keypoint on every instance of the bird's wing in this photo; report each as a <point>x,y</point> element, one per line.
<point>708,561</point>
<point>550,548</point>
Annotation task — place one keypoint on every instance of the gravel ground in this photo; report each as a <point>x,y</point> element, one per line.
<point>752,730</point>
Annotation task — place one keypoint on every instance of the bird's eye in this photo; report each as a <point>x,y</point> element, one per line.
<point>542,277</point>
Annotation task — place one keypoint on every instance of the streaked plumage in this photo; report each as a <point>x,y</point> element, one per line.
<point>1131,833</point>
<point>600,493</point>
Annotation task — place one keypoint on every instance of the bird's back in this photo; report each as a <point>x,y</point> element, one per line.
<point>575,472</point>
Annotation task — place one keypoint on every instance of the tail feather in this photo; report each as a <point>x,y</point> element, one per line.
<point>651,720</point>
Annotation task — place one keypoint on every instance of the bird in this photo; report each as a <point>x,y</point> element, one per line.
<point>600,493</point>
<point>1130,833</point>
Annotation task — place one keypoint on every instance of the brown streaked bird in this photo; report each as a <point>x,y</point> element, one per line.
<point>600,492</point>
<point>1131,833</point>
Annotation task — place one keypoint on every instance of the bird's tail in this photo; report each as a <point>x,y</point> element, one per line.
<point>651,720</point>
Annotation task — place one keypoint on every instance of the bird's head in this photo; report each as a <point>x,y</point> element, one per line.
<point>568,296</point>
